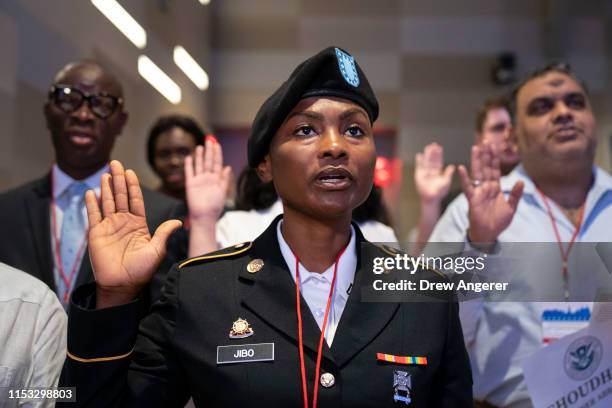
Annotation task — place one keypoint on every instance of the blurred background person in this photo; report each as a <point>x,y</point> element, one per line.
<point>253,193</point>
<point>33,338</point>
<point>175,148</point>
<point>494,127</point>
<point>45,219</point>
<point>171,139</point>
<point>433,181</point>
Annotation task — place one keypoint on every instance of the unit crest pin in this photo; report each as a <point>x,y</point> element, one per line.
<point>240,329</point>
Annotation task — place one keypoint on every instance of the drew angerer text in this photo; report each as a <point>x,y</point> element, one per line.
<point>425,285</point>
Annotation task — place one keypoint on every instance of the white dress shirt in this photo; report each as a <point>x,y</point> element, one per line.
<point>315,287</point>
<point>500,335</point>
<point>235,227</point>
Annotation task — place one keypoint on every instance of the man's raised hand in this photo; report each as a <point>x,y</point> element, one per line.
<point>431,178</point>
<point>490,212</point>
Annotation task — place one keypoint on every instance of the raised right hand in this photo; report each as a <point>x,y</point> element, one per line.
<point>490,213</point>
<point>431,178</point>
<point>123,254</point>
<point>206,182</point>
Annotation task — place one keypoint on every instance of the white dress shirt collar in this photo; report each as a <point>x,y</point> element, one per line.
<point>346,265</point>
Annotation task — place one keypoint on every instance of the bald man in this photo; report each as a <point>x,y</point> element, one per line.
<point>44,222</point>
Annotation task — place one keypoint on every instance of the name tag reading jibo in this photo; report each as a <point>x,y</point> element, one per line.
<point>245,353</point>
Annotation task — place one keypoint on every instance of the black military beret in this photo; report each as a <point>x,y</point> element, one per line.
<point>331,72</point>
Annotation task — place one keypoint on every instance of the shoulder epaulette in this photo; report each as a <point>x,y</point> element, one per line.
<point>437,272</point>
<point>394,251</point>
<point>222,253</point>
<point>389,250</point>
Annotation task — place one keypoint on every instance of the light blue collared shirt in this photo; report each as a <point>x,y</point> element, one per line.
<point>500,335</point>
<point>61,181</point>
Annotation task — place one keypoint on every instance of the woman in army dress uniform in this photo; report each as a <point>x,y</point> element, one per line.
<point>233,328</point>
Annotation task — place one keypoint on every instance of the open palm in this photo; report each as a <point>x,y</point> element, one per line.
<point>206,182</point>
<point>432,180</point>
<point>490,212</point>
<point>123,254</point>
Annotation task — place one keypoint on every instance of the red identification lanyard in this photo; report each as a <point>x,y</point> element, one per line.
<point>321,339</point>
<point>564,253</point>
<point>67,278</point>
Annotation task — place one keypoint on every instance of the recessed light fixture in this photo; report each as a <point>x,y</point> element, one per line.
<point>190,67</point>
<point>123,21</point>
<point>158,79</point>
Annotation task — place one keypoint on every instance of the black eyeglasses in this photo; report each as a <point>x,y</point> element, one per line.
<point>70,99</point>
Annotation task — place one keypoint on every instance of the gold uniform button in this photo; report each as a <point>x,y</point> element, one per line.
<point>255,265</point>
<point>327,380</point>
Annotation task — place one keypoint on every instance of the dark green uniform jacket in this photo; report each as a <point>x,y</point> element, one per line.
<point>173,354</point>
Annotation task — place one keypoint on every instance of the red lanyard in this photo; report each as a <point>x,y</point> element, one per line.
<point>564,253</point>
<point>68,279</point>
<point>321,339</point>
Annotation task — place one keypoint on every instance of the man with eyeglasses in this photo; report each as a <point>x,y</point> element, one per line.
<point>556,196</point>
<point>45,220</point>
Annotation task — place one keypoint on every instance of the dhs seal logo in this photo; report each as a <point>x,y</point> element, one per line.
<point>348,69</point>
<point>582,357</point>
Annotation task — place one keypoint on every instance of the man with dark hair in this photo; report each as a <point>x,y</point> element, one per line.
<point>85,113</point>
<point>556,195</point>
<point>171,139</point>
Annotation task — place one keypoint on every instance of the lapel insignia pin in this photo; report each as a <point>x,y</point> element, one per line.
<point>240,329</point>
<point>401,386</point>
<point>255,265</point>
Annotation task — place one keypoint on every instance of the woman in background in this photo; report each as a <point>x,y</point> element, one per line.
<point>171,139</point>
